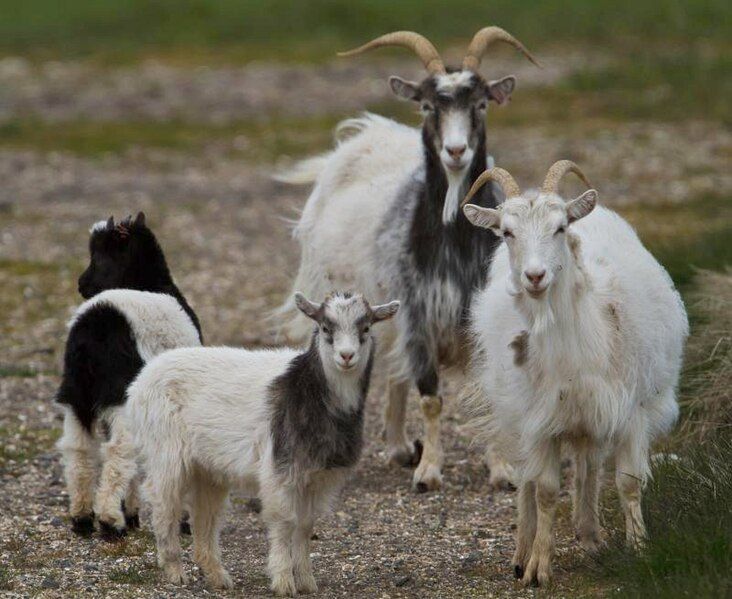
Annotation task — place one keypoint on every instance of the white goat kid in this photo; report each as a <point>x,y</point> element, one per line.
<point>285,425</point>
<point>581,335</point>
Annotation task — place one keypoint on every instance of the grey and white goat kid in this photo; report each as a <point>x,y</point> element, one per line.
<point>390,194</point>
<point>133,312</point>
<point>287,425</point>
<point>580,336</point>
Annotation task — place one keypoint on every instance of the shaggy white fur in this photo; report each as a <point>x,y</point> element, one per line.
<point>580,336</point>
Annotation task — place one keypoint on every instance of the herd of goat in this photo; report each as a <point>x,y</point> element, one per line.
<point>571,335</point>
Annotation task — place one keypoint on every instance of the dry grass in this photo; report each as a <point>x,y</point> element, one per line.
<point>707,391</point>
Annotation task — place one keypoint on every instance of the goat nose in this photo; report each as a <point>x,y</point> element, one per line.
<point>535,276</point>
<point>347,356</point>
<point>456,152</point>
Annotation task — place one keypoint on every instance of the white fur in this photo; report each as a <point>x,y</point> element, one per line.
<point>202,420</point>
<point>158,323</point>
<point>157,319</point>
<point>605,346</point>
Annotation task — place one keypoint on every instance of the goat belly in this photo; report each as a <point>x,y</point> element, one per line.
<point>100,362</point>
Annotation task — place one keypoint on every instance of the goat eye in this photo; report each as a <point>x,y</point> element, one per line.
<point>507,233</point>
<point>482,105</point>
<point>426,107</point>
<point>559,230</point>
<point>366,330</point>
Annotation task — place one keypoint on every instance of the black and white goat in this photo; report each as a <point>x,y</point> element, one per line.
<point>133,312</point>
<point>383,217</point>
<point>287,425</point>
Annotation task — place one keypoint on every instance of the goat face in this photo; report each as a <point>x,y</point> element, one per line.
<point>454,105</point>
<point>535,232</point>
<point>112,250</point>
<point>344,327</point>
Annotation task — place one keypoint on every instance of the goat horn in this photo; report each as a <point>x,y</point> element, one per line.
<point>557,171</point>
<point>407,39</point>
<point>484,38</point>
<point>502,176</point>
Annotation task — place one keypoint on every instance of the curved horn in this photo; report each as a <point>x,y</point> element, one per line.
<point>484,38</point>
<point>557,171</point>
<point>421,46</point>
<point>502,176</point>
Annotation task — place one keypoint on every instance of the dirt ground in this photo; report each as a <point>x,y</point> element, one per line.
<point>222,222</point>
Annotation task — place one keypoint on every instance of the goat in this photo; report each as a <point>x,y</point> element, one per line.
<point>383,217</point>
<point>133,311</point>
<point>286,425</point>
<point>581,334</point>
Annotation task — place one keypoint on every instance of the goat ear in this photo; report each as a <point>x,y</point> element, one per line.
<point>385,311</point>
<point>408,90</point>
<point>140,219</point>
<point>110,222</point>
<point>487,218</point>
<point>581,206</point>
<point>308,308</point>
<point>500,90</point>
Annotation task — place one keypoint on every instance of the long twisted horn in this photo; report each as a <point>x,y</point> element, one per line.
<point>502,176</point>
<point>484,38</point>
<point>406,39</point>
<point>557,171</point>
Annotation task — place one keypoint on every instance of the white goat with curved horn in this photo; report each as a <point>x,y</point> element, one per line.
<point>580,335</point>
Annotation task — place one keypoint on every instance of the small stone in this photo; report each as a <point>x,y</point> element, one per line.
<point>50,583</point>
<point>401,581</point>
<point>471,560</point>
<point>91,568</point>
<point>56,521</point>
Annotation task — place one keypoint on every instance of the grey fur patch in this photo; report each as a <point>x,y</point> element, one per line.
<point>308,428</point>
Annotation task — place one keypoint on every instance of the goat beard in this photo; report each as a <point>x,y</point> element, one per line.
<point>455,192</point>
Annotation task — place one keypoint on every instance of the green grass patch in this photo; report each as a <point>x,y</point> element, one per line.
<point>647,85</point>
<point>133,575</point>
<point>689,519</point>
<point>301,30</point>
<point>688,236</point>
<point>6,580</point>
<point>9,370</point>
<point>19,445</point>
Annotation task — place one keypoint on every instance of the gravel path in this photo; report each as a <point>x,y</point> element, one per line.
<point>221,223</point>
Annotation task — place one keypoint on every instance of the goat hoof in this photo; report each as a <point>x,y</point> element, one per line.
<point>83,525</point>
<point>518,572</point>
<point>185,527</point>
<point>110,532</point>
<point>427,477</point>
<point>132,522</point>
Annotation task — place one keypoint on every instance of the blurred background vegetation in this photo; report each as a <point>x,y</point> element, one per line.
<point>663,61</point>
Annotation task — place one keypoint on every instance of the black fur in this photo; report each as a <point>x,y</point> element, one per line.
<point>128,256</point>
<point>101,358</point>
<point>306,427</point>
<point>431,251</point>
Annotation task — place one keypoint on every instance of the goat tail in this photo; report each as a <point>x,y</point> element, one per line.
<point>303,172</point>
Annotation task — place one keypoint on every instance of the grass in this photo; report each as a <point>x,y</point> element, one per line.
<point>686,237</point>
<point>19,445</point>
<point>133,575</point>
<point>302,30</point>
<point>689,518</point>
